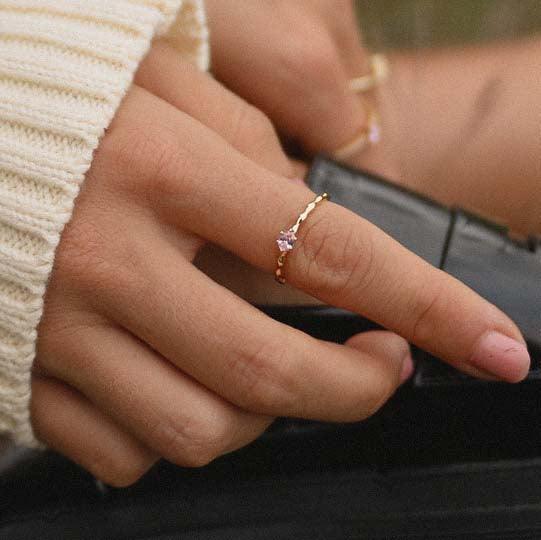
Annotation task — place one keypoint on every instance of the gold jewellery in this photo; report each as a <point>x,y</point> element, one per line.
<point>286,239</point>
<point>379,72</point>
<point>371,133</point>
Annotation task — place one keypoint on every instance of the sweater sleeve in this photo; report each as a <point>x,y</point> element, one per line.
<point>65,65</point>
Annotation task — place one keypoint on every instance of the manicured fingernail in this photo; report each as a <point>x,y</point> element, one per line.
<point>502,356</point>
<point>407,368</point>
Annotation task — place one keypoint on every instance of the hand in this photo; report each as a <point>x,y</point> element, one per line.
<point>460,125</point>
<point>141,355</point>
<point>293,60</point>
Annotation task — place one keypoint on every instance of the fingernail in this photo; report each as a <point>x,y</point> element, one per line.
<point>502,356</point>
<point>407,368</point>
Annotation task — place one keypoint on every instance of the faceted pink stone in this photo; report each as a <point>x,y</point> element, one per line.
<point>286,240</point>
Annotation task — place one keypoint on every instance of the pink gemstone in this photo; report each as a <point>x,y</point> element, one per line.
<point>374,134</point>
<point>286,240</point>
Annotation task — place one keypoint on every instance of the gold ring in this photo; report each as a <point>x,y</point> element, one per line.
<point>286,239</point>
<point>370,134</point>
<point>379,72</point>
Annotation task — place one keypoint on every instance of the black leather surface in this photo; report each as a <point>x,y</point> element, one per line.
<point>418,223</point>
<point>241,499</point>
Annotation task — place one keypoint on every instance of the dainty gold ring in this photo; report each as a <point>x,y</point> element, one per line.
<point>287,238</point>
<point>369,134</point>
<point>379,72</point>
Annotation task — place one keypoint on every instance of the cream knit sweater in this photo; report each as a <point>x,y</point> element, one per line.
<point>64,67</point>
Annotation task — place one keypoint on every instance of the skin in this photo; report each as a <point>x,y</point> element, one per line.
<point>300,82</point>
<point>479,152</point>
<point>141,355</point>
<point>460,125</point>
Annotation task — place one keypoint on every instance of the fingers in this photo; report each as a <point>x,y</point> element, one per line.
<point>342,20</point>
<point>300,81</point>
<point>70,424</point>
<point>168,411</point>
<point>251,360</point>
<point>339,257</point>
<point>168,76</point>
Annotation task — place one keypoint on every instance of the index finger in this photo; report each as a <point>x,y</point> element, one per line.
<point>339,257</point>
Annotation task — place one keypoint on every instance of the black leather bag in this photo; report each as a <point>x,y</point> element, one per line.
<point>447,457</point>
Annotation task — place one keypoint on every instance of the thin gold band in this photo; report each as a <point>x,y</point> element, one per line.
<point>286,239</point>
<point>379,72</point>
<point>370,134</point>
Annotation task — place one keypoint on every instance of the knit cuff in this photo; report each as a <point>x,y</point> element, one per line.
<point>65,65</point>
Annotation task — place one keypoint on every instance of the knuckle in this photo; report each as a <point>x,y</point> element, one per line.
<point>194,442</point>
<point>337,258</point>
<point>250,125</point>
<point>265,384</point>
<point>148,157</point>
<point>49,330</point>
<point>61,330</point>
<point>81,253</point>
<point>138,146</point>
<point>170,169</point>
<point>51,337</point>
<point>93,257</point>
<point>427,306</point>
<point>65,346</point>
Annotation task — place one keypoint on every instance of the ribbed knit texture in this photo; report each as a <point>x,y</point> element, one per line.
<point>64,67</point>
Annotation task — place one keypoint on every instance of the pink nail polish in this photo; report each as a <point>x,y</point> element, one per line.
<point>407,369</point>
<point>501,356</point>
